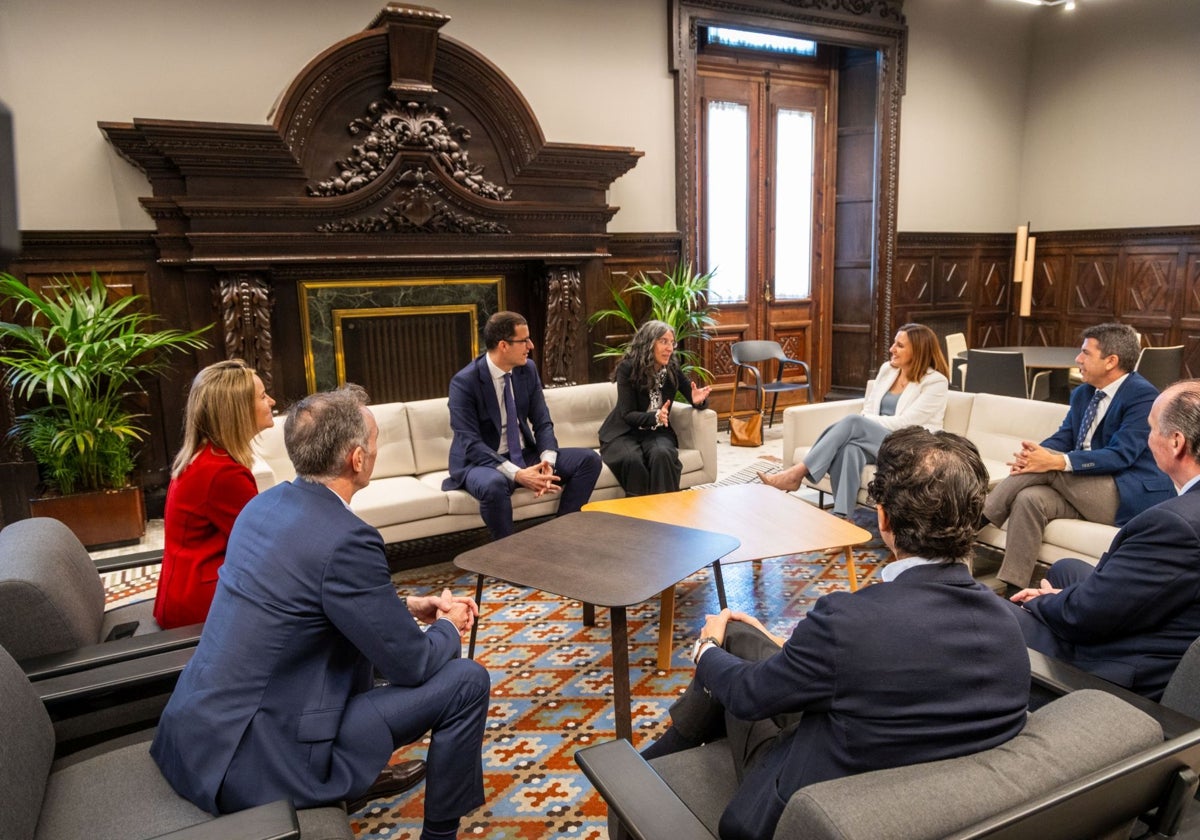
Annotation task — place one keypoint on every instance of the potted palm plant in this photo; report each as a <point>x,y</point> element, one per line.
<point>77,365</point>
<point>679,298</point>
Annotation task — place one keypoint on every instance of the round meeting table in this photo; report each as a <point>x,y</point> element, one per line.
<point>1058,360</point>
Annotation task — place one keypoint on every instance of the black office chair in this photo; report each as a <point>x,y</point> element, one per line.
<point>746,356</point>
<point>1003,372</point>
<point>1161,365</point>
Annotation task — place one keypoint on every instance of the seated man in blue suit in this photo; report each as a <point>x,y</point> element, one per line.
<point>492,453</point>
<point>927,665</point>
<point>1131,617</point>
<point>278,701</point>
<point>1095,467</point>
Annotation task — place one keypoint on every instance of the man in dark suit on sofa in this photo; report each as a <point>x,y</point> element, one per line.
<point>1131,617</point>
<point>490,455</point>
<point>1095,467</point>
<point>927,665</point>
<point>278,701</point>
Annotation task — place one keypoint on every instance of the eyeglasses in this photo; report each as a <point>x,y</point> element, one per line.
<point>525,341</point>
<point>666,342</point>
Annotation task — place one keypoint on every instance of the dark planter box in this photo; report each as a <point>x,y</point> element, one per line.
<point>104,519</point>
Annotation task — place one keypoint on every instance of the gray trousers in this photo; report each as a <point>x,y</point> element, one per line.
<point>1027,502</point>
<point>842,451</point>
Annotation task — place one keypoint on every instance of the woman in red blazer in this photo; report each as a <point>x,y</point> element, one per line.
<point>210,484</point>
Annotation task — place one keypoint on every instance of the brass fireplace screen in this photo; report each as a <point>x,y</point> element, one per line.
<point>400,339</point>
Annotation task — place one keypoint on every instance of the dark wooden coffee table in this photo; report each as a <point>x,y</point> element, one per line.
<point>603,559</point>
<point>768,522</point>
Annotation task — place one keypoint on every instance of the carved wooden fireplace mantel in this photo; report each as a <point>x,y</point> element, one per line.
<point>396,153</point>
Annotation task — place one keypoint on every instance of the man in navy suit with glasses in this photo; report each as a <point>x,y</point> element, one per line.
<point>503,434</point>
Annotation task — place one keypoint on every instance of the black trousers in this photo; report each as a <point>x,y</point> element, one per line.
<point>699,717</point>
<point>645,461</point>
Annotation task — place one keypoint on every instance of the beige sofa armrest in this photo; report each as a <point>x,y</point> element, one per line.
<point>697,429</point>
<point>803,424</point>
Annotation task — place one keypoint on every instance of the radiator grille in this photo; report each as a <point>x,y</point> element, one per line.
<point>400,356</point>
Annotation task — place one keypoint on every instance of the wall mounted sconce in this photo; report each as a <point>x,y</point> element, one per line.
<point>1023,267</point>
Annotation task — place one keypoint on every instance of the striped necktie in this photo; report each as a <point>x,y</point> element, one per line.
<point>1089,417</point>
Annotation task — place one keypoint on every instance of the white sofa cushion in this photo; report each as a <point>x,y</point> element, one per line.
<point>1062,538</point>
<point>575,411</point>
<point>395,456</point>
<point>398,499</point>
<point>999,424</point>
<point>429,425</point>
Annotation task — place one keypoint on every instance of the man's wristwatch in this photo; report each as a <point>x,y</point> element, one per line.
<point>700,645</point>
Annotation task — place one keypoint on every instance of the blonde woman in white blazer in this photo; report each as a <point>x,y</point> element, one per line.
<point>909,390</point>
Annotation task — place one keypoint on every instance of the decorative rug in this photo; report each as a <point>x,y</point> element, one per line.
<point>766,464</point>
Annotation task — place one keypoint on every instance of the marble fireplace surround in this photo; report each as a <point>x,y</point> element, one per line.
<point>399,168</point>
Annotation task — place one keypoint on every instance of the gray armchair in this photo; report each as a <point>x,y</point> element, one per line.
<point>52,616</point>
<point>114,791</point>
<point>1086,765</point>
<point>53,621</point>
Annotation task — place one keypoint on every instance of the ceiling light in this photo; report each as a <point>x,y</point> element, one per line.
<point>1069,4</point>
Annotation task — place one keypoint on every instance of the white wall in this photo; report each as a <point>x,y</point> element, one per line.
<point>1071,120</point>
<point>1113,134</point>
<point>962,117</point>
<point>1087,119</point>
<point>594,73</point>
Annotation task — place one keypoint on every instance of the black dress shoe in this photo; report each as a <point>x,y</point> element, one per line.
<point>395,778</point>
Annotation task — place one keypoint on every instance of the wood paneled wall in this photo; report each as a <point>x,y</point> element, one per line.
<point>1148,278</point>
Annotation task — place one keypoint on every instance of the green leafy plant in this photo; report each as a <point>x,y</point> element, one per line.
<point>78,363</point>
<point>679,298</point>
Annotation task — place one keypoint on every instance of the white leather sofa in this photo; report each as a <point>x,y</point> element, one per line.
<point>996,425</point>
<point>405,499</point>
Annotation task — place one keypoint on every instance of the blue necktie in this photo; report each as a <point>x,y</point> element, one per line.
<point>1089,417</point>
<point>513,435</point>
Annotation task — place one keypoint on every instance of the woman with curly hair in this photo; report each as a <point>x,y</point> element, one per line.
<point>636,439</point>
<point>210,484</point>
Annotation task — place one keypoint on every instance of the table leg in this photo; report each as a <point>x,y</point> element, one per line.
<point>666,627</point>
<point>475,625</point>
<point>589,614</point>
<point>720,581</point>
<point>850,569</point>
<point>620,657</point>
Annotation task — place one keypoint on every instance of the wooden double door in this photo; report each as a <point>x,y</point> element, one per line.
<point>766,181</point>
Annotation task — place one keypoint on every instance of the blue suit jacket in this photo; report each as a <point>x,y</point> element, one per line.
<point>929,666</point>
<point>303,607</point>
<point>1119,445</point>
<point>1131,620</point>
<point>475,418</point>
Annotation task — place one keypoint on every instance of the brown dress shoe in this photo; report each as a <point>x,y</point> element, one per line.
<point>395,778</point>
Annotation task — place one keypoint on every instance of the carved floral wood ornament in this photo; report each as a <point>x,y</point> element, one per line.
<point>413,125</point>
<point>397,150</point>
